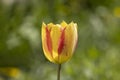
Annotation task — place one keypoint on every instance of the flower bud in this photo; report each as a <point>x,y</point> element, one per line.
<point>59,41</point>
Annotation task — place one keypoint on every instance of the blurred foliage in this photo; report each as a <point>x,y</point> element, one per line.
<point>96,57</point>
<point>9,72</point>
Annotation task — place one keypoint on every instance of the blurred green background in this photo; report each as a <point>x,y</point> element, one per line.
<point>97,56</point>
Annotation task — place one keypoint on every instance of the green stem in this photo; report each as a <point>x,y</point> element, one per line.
<point>59,68</point>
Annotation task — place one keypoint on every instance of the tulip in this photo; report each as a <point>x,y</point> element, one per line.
<point>59,41</point>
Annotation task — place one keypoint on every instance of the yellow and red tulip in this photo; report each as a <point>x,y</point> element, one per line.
<point>59,41</point>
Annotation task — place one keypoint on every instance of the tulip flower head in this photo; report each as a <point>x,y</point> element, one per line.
<point>59,41</point>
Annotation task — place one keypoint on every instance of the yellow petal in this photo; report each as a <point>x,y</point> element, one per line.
<point>55,35</point>
<point>44,44</point>
<point>73,32</point>
<point>50,25</point>
<point>75,36</point>
<point>70,42</point>
<point>64,24</point>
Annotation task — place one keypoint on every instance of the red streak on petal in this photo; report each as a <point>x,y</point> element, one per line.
<point>61,41</point>
<point>49,40</point>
